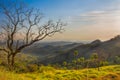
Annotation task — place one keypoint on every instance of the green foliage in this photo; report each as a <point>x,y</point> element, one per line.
<point>74,61</point>
<point>104,63</point>
<point>75,53</point>
<point>43,69</point>
<point>20,68</point>
<point>93,76</point>
<point>65,63</point>
<point>94,56</point>
<point>111,76</point>
<point>117,60</point>
<point>32,67</point>
<point>50,73</point>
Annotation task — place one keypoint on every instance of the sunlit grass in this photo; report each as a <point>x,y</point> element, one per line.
<point>49,73</point>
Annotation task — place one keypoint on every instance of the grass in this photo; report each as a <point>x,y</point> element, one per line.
<point>48,73</point>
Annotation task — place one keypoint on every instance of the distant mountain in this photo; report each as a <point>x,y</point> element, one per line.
<point>107,49</point>
<point>58,52</point>
<point>53,43</point>
<point>2,43</point>
<point>50,49</point>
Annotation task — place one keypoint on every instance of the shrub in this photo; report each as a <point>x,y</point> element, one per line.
<point>46,69</point>
<point>20,68</point>
<point>32,67</point>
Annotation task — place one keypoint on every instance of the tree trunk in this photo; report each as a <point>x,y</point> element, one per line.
<point>8,59</point>
<point>12,61</point>
<point>98,65</point>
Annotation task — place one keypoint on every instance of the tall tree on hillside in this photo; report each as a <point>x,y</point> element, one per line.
<point>75,58</point>
<point>96,60</point>
<point>22,27</point>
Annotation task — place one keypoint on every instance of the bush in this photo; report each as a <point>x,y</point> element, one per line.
<point>32,67</point>
<point>46,69</point>
<point>20,68</point>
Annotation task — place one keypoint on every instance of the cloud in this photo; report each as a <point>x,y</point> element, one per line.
<point>97,17</point>
<point>102,24</point>
<point>94,24</point>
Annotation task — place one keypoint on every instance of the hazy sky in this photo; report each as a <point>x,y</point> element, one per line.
<point>87,19</point>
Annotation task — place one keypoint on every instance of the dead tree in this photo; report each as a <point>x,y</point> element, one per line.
<point>22,27</point>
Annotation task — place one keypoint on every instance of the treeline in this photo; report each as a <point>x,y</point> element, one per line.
<point>94,61</point>
<point>26,63</point>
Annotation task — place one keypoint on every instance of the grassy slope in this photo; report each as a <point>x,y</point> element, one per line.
<point>48,73</point>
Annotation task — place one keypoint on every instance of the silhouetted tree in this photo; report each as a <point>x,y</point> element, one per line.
<point>80,62</point>
<point>75,59</point>
<point>22,28</point>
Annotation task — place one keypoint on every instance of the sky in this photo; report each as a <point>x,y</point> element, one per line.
<point>86,20</point>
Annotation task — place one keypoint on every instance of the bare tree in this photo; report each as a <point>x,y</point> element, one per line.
<point>22,27</point>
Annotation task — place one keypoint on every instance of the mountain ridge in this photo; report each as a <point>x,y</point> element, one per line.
<point>107,49</point>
